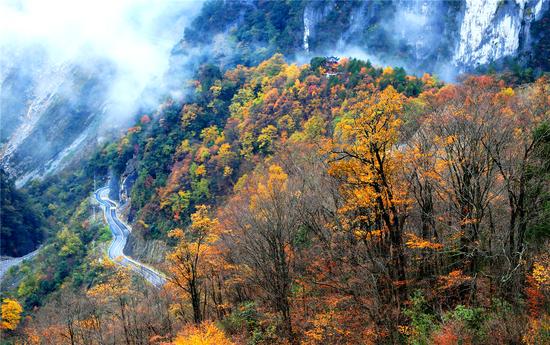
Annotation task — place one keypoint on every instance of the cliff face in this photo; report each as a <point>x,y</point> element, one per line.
<point>426,33</point>
<point>418,34</point>
<point>493,29</point>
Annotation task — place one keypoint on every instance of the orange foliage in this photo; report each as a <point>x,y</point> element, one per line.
<point>416,242</point>
<point>446,336</point>
<point>453,279</point>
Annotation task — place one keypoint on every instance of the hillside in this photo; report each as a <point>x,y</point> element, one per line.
<point>309,202</point>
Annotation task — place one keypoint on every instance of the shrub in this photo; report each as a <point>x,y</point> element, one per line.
<point>204,334</point>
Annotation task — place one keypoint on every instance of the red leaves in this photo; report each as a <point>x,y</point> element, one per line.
<point>145,119</point>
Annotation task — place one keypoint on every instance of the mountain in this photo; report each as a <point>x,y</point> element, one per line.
<point>436,36</point>
<point>51,111</point>
<point>366,196</point>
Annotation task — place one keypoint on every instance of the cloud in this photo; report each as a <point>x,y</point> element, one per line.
<point>133,36</point>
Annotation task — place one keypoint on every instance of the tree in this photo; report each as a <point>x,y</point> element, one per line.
<point>260,224</point>
<point>522,134</point>
<point>117,290</point>
<point>365,158</point>
<point>186,262</point>
<point>20,222</point>
<point>463,125</point>
<point>11,314</point>
<point>420,171</point>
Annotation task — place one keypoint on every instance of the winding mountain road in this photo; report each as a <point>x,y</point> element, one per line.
<point>120,237</point>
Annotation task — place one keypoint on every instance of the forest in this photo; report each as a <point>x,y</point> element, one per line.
<point>334,202</point>
<point>22,227</point>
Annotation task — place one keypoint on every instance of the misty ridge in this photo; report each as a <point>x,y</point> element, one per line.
<point>74,70</point>
<point>132,38</point>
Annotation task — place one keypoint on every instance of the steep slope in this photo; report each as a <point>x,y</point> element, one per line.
<point>56,115</point>
<point>72,72</point>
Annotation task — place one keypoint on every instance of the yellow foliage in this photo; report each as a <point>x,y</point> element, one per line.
<point>187,261</point>
<point>324,328</point>
<point>507,92</point>
<point>201,222</point>
<point>116,286</point>
<point>364,153</point>
<point>225,155</point>
<point>428,80</point>
<point>541,274</point>
<point>184,147</point>
<point>292,72</point>
<point>189,114</point>
<point>538,331</point>
<point>11,314</point>
<point>227,171</point>
<point>276,182</point>
<point>176,233</point>
<point>201,170</point>
<point>266,137</point>
<point>387,70</point>
<point>241,182</point>
<point>209,135</point>
<point>205,334</point>
<point>216,89</point>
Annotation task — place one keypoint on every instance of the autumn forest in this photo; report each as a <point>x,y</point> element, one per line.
<point>333,202</point>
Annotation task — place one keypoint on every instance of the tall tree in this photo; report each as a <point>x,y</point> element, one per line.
<point>186,262</point>
<point>260,225</point>
<point>366,159</point>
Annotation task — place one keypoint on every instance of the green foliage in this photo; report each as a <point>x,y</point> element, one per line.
<point>317,62</point>
<point>70,244</point>
<point>105,234</point>
<point>539,228</point>
<point>63,256</point>
<point>472,317</point>
<point>21,221</point>
<point>422,319</point>
<point>246,318</point>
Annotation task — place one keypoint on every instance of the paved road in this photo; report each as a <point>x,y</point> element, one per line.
<point>120,237</point>
<point>6,264</point>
